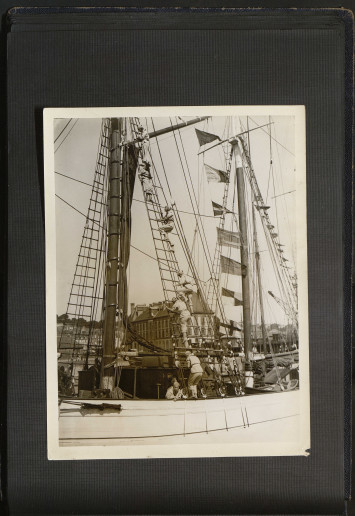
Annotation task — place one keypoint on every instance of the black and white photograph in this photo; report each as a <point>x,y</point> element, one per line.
<point>176,282</point>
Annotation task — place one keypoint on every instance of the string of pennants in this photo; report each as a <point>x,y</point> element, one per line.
<point>229,238</point>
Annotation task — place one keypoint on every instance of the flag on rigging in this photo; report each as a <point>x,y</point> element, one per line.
<point>204,137</point>
<point>214,175</point>
<point>232,326</point>
<point>228,238</point>
<point>219,210</point>
<point>229,266</point>
<point>237,298</point>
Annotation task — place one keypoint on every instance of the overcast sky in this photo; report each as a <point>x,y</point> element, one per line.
<point>76,157</point>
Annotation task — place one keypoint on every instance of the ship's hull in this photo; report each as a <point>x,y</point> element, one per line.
<point>269,417</point>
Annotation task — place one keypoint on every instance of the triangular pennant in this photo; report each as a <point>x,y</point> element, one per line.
<point>228,238</point>
<point>204,137</point>
<point>214,175</point>
<point>218,209</point>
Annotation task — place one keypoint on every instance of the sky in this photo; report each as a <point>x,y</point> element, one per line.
<point>272,149</point>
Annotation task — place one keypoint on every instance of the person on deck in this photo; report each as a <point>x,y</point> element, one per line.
<point>174,392</point>
<point>196,372</point>
<point>180,307</point>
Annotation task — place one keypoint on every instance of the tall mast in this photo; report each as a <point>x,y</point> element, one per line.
<point>112,262</point>
<point>244,254</point>
<point>257,263</point>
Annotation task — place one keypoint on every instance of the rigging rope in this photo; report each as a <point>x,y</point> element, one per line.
<point>66,136</point>
<point>203,240</point>
<point>272,137</point>
<point>62,131</point>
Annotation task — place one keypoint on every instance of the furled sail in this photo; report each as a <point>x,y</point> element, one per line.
<point>229,266</point>
<point>214,175</point>
<point>228,238</point>
<point>204,137</point>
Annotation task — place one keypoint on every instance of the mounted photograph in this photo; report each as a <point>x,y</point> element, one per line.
<point>176,282</point>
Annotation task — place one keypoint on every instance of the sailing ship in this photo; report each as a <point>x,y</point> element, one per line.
<point>120,364</point>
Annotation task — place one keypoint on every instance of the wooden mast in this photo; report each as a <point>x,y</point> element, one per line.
<point>244,253</point>
<point>112,261</point>
<point>257,263</point>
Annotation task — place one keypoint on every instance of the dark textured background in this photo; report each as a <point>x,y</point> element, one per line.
<point>197,60</point>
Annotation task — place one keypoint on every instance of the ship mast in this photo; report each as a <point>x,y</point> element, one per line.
<point>112,263</point>
<point>117,256</point>
<point>244,253</point>
<point>257,263</point>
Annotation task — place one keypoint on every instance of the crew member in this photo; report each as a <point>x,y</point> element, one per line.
<point>143,138</point>
<point>146,180</point>
<point>180,307</point>
<point>167,220</point>
<point>196,372</point>
<point>185,287</point>
<point>174,392</point>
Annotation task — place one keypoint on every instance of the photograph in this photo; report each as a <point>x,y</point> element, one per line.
<point>176,282</point>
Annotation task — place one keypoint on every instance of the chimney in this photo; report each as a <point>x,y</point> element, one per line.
<point>132,308</point>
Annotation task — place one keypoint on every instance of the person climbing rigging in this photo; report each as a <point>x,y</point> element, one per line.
<point>143,138</point>
<point>167,224</point>
<point>167,220</point>
<point>186,288</point>
<point>180,307</point>
<point>146,180</point>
